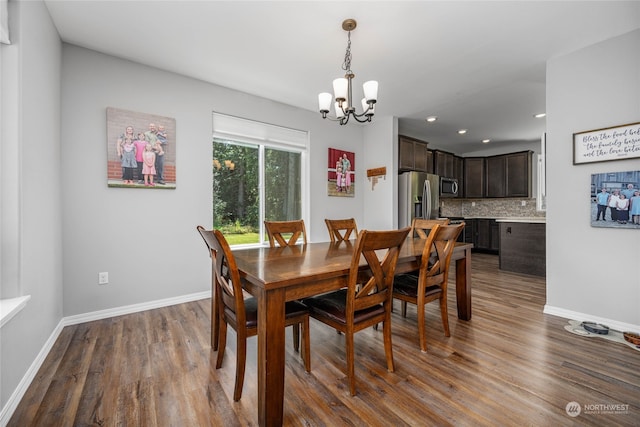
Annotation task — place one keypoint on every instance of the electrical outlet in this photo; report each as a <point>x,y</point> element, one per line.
<point>103,278</point>
<point>473,204</point>
<point>524,203</point>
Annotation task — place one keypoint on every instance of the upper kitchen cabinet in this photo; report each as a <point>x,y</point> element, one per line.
<point>506,175</point>
<point>448,165</point>
<point>495,176</point>
<point>413,155</point>
<point>509,175</point>
<point>443,163</point>
<point>518,174</point>
<point>474,177</point>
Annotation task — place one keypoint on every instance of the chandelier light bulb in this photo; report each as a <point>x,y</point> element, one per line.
<point>370,90</point>
<point>340,88</point>
<point>324,102</point>
<point>368,110</point>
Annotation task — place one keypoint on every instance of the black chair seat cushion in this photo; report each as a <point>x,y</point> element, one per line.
<point>332,305</point>
<point>292,309</point>
<point>407,284</point>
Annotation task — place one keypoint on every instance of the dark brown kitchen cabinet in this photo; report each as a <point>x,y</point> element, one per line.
<point>440,163</point>
<point>413,155</point>
<point>445,164</point>
<point>458,172</point>
<point>420,156</point>
<point>494,230</point>
<point>429,161</point>
<point>495,176</point>
<point>518,174</point>
<point>468,231</point>
<point>474,177</point>
<point>486,235</point>
<point>523,248</point>
<point>449,165</point>
<point>509,175</point>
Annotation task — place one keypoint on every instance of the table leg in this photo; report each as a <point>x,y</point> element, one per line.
<point>271,340</point>
<point>463,285</point>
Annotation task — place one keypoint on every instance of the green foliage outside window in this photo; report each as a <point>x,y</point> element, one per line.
<point>236,195</point>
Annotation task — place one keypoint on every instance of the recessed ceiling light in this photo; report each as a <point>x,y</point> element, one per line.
<point>431,119</point>
<point>462,131</point>
<point>485,141</point>
<point>539,115</point>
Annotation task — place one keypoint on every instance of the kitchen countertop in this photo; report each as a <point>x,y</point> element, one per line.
<point>529,219</point>
<point>532,219</point>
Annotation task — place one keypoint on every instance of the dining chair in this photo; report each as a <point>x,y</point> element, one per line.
<point>341,229</point>
<point>278,230</point>
<point>354,308</point>
<point>242,314</point>
<point>431,282</point>
<point>422,226</point>
<point>209,240</point>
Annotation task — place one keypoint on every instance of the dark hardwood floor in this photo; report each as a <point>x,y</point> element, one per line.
<point>510,365</point>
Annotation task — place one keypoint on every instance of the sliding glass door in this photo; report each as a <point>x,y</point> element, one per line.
<point>253,183</point>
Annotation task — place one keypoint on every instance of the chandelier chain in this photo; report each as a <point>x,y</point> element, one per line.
<point>346,65</point>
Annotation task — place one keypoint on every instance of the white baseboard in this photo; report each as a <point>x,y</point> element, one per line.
<point>134,308</point>
<point>21,389</point>
<point>574,315</point>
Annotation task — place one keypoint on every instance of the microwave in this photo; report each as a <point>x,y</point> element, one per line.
<point>448,187</point>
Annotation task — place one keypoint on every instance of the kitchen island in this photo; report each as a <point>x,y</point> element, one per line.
<point>523,245</point>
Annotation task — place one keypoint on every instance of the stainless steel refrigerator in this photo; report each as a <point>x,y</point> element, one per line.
<point>418,197</point>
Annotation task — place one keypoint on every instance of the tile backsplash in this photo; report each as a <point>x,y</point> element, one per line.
<point>490,208</point>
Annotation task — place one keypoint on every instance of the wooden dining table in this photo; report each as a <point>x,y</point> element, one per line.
<point>276,275</point>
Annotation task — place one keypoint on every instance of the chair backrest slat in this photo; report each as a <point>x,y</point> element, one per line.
<point>377,289</point>
<point>341,229</point>
<point>277,230</point>
<point>434,268</point>
<point>422,226</point>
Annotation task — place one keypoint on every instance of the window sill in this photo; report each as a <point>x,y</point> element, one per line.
<point>10,307</point>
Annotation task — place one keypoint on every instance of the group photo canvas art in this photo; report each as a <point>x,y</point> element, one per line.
<point>341,176</point>
<point>141,150</point>
<point>615,200</point>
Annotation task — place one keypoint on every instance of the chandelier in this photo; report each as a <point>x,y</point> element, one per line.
<point>342,89</point>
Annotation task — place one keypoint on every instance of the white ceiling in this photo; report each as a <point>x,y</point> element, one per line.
<point>478,65</point>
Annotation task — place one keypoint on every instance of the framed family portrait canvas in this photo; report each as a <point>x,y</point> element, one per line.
<point>141,150</point>
<point>341,177</point>
<point>615,200</point>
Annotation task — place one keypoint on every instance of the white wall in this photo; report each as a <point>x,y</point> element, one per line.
<point>380,149</point>
<point>34,121</point>
<point>592,273</point>
<point>146,240</point>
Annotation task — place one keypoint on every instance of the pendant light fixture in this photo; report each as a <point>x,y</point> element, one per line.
<point>343,104</point>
